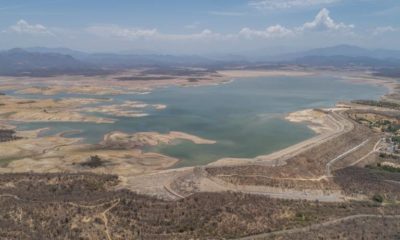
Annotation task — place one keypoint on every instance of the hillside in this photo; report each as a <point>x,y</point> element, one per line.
<point>18,62</point>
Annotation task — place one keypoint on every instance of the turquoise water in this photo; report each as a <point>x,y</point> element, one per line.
<point>245,117</point>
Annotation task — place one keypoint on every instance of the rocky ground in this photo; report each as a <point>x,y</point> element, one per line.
<point>342,184</point>
<point>86,206</point>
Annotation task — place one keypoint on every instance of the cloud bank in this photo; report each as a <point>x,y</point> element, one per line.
<point>285,4</point>
<point>322,28</point>
<point>23,27</point>
<point>269,32</point>
<point>322,22</point>
<point>117,31</point>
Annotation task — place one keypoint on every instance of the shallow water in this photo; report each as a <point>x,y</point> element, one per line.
<point>245,117</point>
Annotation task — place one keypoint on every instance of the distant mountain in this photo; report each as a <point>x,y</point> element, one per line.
<point>19,62</point>
<point>129,59</point>
<point>138,52</point>
<point>60,50</point>
<point>346,61</point>
<point>144,58</point>
<point>112,60</point>
<point>40,61</point>
<point>341,50</point>
<point>343,56</point>
<point>232,58</point>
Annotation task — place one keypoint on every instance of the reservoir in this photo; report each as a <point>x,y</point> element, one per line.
<point>245,116</point>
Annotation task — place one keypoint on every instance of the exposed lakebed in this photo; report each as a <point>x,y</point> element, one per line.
<point>244,117</point>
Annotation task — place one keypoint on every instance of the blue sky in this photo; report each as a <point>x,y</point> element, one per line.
<point>199,26</point>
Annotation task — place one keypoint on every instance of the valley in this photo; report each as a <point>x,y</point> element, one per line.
<point>344,162</point>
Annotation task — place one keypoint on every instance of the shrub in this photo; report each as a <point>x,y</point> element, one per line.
<point>377,198</point>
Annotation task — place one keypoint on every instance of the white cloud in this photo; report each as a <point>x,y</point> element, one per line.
<point>323,22</point>
<point>269,32</point>
<point>192,26</point>
<point>136,33</point>
<point>117,31</point>
<point>23,27</point>
<point>385,29</point>
<point>282,4</point>
<point>205,34</point>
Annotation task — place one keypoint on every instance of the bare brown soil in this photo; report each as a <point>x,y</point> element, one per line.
<point>310,164</point>
<point>85,206</point>
<point>231,199</point>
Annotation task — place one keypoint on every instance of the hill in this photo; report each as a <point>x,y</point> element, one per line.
<point>18,62</point>
<point>342,50</point>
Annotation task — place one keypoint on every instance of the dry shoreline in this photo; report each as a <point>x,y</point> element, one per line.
<point>334,125</point>
<point>312,118</point>
<point>317,121</point>
<point>120,152</point>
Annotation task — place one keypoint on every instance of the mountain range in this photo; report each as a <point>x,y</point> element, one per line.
<point>41,61</point>
<point>18,62</point>
<point>342,50</point>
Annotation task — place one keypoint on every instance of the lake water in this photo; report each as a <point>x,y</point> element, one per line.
<point>245,117</point>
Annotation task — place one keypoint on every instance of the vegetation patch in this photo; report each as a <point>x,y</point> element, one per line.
<point>8,135</point>
<point>384,167</point>
<point>377,198</point>
<point>85,206</point>
<point>369,181</point>
<point>384,104</point>
<point>93,162</point>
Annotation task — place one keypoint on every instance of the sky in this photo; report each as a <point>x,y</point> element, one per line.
<point>199,26</point>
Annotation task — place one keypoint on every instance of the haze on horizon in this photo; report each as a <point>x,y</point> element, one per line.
<point>199,27</point>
